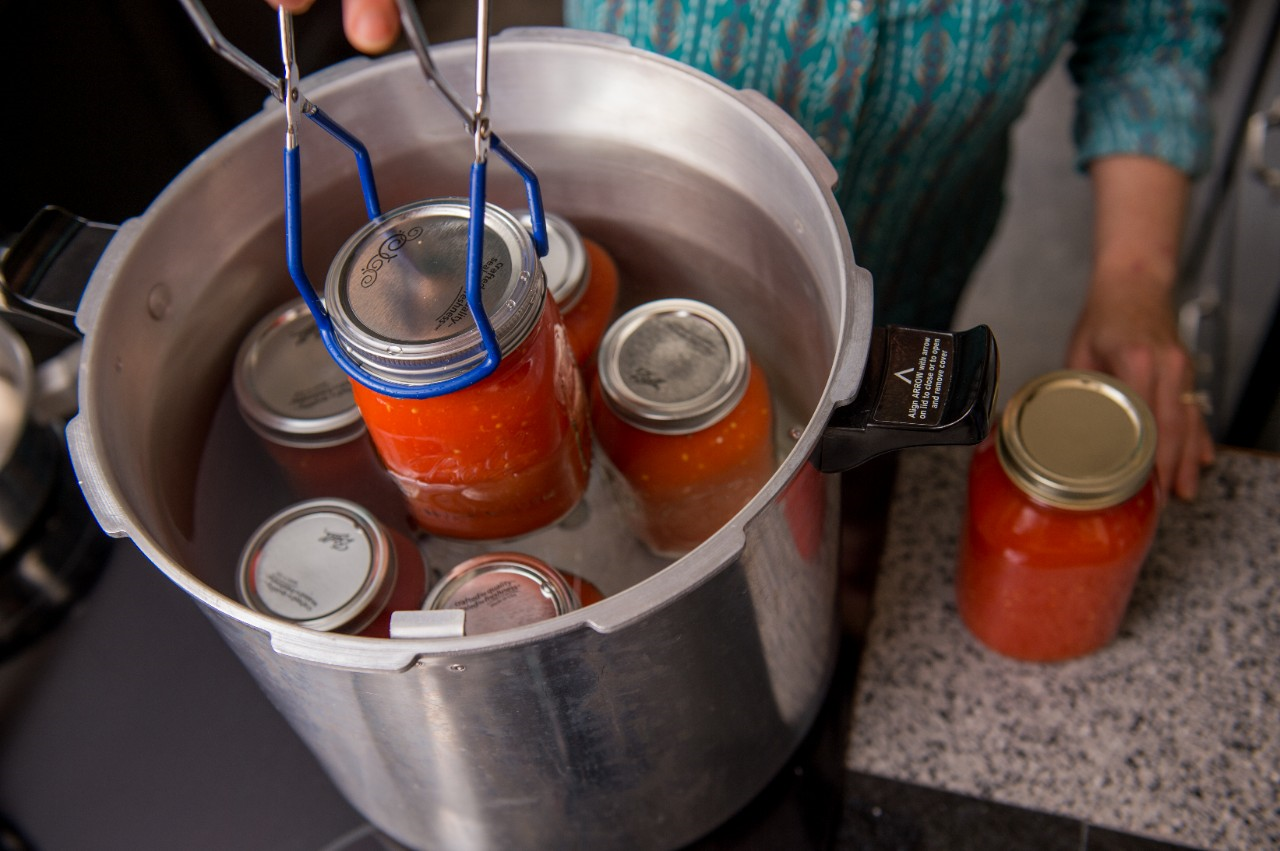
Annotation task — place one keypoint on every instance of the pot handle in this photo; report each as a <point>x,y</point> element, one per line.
<point>919,388</point>
<point>44,272</point>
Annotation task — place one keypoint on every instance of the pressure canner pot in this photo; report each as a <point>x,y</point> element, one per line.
<point>644,720</point>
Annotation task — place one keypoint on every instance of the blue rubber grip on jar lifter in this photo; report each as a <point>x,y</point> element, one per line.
<point>474,292</point>
<point>475,246</point>
<point>364,165</point>
<point>532,192</point>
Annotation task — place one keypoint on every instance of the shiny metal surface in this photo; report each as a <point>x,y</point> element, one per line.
<point>643,720</point>
<point>565,265</point>
<point>396,292</point>
<point>673,366</point>
<point>325,564</point>
<point>501,590</point>
<point>17,389</point>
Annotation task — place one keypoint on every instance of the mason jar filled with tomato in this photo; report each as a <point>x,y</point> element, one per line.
<point>299,402</point>
<point>684,417</point>
<point>497,459</point>
<point>1062,510</point>
<point>583,280</point>
<point>503,590</point>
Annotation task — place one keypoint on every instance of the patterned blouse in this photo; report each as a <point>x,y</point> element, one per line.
<point>913,99</point>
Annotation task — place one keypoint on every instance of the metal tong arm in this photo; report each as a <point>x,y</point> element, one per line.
<point>293,247</point>
<point>199,16</point>
<point>477,120</point>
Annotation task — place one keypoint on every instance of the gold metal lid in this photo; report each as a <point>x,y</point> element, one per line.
<point>1076,439</point>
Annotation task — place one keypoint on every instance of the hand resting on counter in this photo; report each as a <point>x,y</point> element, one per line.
<point>1127,327</point>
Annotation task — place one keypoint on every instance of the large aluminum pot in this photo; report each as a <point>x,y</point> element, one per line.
<point>646,719</point>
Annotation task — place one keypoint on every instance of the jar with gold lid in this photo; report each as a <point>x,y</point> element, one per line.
<point>300,404</point>
<point>1062,509</point>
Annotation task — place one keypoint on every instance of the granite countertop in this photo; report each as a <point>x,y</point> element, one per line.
<point>1171,732</point>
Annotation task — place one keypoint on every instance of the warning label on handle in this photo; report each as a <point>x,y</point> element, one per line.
<point>917,379</point>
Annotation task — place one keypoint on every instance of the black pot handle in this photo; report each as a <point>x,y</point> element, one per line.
<point>45,270</point>
<point>919,388</point>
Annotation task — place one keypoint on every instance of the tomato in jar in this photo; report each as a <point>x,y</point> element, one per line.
<point>299,403</point>
<point>505,456</point>
<point>583,279</point>
<point>684,416</point>
<point>1062,509</point>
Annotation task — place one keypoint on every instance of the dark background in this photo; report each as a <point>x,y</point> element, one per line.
<point>105,102</point>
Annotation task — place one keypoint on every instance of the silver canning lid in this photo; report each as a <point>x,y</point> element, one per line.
<point>566,265</point>
<point>1076,439</point>
<point>673,366</point>
<point>324,564</point>
<point>502,591</point>
<point>396,291</point>
<point>288,387</point>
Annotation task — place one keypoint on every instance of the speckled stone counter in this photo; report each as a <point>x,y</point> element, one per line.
<point>1172,732</point>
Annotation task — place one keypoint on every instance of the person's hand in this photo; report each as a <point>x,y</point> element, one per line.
<point>1128,328</point>
<point>1133,336</point>
<point>372,26</point>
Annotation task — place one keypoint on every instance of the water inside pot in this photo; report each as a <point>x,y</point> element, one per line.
<point>237,485</point>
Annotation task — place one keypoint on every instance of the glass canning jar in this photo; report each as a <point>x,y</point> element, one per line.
<point>503,590</point>
<point>329,565</point>
<point>583,280</point>
<point>1062,510</point>
<point>299,402</point>
<point>505,456</point>
<point>684,417</point>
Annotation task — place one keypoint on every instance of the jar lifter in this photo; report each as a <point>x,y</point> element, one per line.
<point>476,121</point>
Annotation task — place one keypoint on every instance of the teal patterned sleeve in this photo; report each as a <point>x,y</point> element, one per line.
<point>1143,68</point>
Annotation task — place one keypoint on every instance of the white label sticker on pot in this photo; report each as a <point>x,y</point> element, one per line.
<point>918,377</point>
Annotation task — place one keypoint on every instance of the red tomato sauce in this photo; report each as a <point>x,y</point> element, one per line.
<point>350,470</point>
<point>587,320</point>
<point>502,458</point>
<point>1041,583</point>
<point>410,585</point>
<point>686,486</point>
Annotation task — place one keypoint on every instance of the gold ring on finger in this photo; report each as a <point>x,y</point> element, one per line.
<point>1198,399</point>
